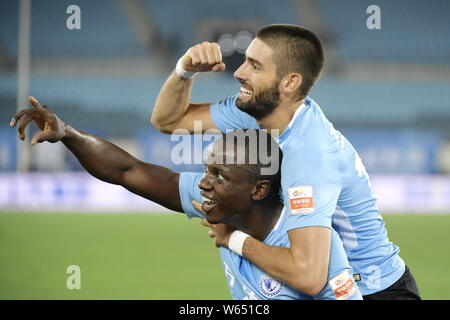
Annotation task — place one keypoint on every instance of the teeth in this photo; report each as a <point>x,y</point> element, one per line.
<point>208,201</point>
<point>245,91</point>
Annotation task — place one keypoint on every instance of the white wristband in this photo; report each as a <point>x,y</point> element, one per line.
<point>236,242</point>
<point>183,73</point>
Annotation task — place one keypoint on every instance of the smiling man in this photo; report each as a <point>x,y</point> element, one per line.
<point>324,183</point>
<point>236,196</point>
<point>242,205</point>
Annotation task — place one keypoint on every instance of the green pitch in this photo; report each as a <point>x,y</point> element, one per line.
<point>164,256</point>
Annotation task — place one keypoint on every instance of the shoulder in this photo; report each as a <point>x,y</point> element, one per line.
<point>312,132</point>
<point>226,115</point>
<point>187,179</point>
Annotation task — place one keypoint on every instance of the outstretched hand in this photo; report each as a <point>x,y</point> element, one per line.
<point>52,128</point>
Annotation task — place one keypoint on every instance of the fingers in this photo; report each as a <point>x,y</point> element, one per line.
<point>203,54</point>
<point>194,56</point>
<point>217,53</point>
<point>219,67</point>
<point>211,54</point>
<point>197,205</point>
<point>204,57</point>
<point>36,105</point>
<point>17,117</point>
<point>21,114</point>
<point>23,117</point>
<point>24,121</point>
<point>212,232</point>
<point>41,136</point>
<point>205,223</point>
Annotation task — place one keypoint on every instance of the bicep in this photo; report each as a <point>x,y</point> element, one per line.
<point>155,183</point>
<point>312,192</point>
<point>312,244</point>
<point>200,113</point>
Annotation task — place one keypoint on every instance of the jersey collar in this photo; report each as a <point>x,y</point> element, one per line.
<point>290,124</point>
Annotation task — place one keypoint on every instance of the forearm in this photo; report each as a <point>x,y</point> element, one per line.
<point>297,271</point>
<point>111,164</point>
<point>99,157</point>
<point>103,159</point>
<point>172,103</point>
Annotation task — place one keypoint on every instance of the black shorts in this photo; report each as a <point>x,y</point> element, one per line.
<point>404,289</point>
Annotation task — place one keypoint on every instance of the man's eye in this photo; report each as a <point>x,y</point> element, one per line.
<point>220,177</point>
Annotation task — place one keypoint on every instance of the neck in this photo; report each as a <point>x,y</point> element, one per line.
<point>259,220</point>
<point>280,118</point>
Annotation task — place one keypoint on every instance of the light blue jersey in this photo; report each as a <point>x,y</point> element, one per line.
<point>248,282</point>
<point>325,184</point>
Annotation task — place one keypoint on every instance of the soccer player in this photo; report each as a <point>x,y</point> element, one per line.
<point>235,193</point>
<point>324,182</point>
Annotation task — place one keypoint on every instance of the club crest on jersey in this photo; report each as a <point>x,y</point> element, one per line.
<point>301,199</point>
<point>269,286</point>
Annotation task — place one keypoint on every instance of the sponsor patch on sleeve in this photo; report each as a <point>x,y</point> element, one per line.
<point>343,286</point>
<point>301,199</point>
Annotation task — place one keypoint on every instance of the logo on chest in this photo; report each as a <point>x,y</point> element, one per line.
<point>269,286</point>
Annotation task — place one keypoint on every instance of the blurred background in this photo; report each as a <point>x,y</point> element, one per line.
<point>387,90</point>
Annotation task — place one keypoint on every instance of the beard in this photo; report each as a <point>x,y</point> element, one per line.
<point>262,104</point>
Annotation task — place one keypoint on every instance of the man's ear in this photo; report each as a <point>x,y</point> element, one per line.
<point>291,83</point>
<point>260,190</point>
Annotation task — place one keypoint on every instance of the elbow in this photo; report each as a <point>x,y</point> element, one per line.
<point>159,125</point>
<point>312,282</point>
<point>155,122</point>
<point>314,288</point>
<point>310,287</point>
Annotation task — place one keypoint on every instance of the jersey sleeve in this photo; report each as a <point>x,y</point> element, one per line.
<point>189,191</point>
<point>226,116</point>
<point>311,187</point>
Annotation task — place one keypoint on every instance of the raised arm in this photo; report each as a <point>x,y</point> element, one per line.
<point>103,159</point>
<point>173,109</point>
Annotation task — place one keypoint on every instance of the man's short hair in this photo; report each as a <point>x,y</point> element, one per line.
<point>296,49</point>
<point>266,153</point>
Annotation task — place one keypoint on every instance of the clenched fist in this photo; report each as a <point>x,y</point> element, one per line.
<point>203,57</point>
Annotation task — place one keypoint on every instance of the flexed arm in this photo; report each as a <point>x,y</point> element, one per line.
<point>172,109</point>
<point>101,158</point>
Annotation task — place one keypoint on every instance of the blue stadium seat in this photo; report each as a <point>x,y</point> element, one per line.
<point>176,19</point>
<point>105,31</point>
<point>411,31</point>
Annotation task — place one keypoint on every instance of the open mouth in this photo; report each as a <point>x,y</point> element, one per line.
<point>208,204</point>
<point>245,93</point>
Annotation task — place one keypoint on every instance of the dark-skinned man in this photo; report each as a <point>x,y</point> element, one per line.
<point>240,205</point>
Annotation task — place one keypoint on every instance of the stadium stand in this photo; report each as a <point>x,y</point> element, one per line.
<point>98,37</point>
<point>118,103</point>
<point>179,32</point>
<point>411,31</point>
